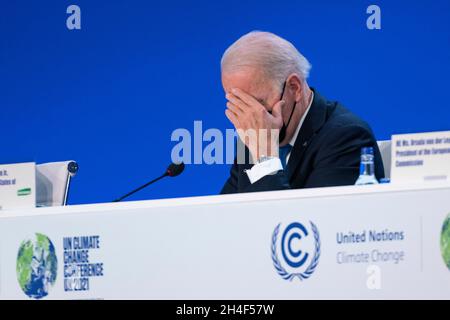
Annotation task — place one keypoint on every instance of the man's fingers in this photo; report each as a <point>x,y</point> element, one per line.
<point>246,98</point>
<point>232,117</point>
<point>276,110</point>
<point>236,110</point>
<point>239,103</point>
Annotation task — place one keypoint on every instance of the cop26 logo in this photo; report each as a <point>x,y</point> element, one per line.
<point>300,250</point>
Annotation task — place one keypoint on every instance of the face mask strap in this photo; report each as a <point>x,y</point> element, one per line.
<point>293,108</point>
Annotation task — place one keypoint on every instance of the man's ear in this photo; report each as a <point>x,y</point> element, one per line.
<point>295,85</point>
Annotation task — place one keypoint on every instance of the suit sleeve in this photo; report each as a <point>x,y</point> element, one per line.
<point>337,164</point>
<point>230,185</point>
<point>277,181</point>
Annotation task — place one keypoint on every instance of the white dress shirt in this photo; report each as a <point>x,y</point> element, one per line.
<point>274,165</point>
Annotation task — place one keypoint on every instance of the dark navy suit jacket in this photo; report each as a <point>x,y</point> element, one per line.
<point>326,153</point>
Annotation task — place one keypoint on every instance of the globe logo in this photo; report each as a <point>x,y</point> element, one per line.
<point>445,241</point>
<point>36,266</point>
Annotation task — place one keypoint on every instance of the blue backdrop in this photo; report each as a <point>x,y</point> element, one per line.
<point>110,95</point>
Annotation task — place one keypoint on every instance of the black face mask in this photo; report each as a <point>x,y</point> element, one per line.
<point>283,129</point>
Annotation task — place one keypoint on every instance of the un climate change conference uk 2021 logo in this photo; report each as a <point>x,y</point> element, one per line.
<point>300,250</point>
<point>36,266</point>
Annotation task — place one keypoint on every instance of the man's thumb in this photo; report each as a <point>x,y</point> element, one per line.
<point>276,111</point>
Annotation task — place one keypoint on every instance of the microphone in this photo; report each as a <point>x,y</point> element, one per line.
<point>173,170</point>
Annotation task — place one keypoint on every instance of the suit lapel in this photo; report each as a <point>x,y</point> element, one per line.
<point>313,122</point>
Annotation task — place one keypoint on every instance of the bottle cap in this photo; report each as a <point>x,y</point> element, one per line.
<point>367,150</point>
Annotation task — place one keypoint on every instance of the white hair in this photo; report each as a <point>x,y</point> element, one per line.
<point>273,55</point>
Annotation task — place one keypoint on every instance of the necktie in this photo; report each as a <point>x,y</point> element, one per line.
<point>284,151</point>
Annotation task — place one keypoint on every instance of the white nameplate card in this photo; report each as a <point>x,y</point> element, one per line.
<point>421,157</point>
<point>17,185</point>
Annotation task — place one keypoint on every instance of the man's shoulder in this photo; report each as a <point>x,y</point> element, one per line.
<point>341,118</point>
<point>339,125</point>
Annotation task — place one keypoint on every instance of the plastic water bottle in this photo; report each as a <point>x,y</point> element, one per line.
<point>367,168</point>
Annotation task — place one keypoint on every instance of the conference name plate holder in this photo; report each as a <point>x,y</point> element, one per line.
<point>17,186</point>
<point>421,157</point>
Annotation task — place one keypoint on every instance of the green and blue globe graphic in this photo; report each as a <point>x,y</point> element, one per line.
<point>445,241</point>
<point>36,266</point>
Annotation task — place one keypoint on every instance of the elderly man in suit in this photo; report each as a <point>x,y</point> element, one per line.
<point>317,142</point>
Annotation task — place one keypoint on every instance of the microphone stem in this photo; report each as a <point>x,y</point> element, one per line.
<point>140,188</point>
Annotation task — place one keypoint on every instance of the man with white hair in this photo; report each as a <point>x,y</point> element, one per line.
<point>317,142</point>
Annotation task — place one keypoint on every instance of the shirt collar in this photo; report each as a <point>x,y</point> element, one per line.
<point>294,137</point>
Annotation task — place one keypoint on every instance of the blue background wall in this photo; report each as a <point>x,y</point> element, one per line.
<point>110,95</point>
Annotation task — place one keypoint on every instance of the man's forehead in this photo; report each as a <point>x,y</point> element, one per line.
<point>249,80</point>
